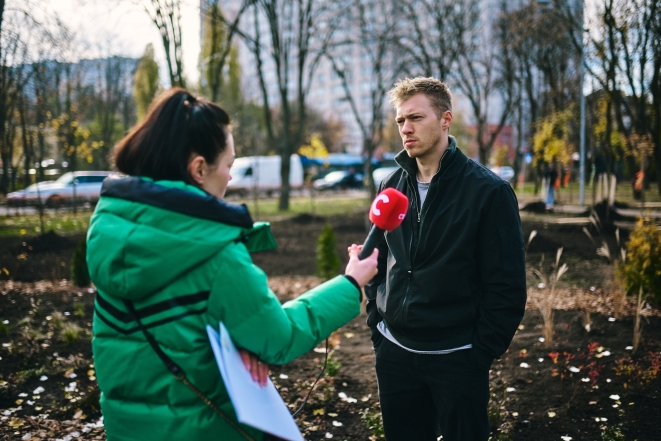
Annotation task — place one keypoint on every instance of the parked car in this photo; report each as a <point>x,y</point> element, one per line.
<point>504,172</point>
<point>339,180</point>
<point>381,173</point>
<point>86,184</point>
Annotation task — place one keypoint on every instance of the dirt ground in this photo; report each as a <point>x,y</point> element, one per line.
<point>583,385</point>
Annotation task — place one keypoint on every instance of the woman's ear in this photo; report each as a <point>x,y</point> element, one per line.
<point>197,168</point>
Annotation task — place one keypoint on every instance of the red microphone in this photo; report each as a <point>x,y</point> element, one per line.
<point>387,213</point>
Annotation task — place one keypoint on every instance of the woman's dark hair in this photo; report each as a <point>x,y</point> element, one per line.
<point>176,126</point>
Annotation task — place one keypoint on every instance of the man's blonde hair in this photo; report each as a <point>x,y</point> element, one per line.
<point>438,93</point>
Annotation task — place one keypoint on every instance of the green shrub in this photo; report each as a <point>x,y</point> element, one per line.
<point>373,421</point>
<point>79,274</point>
<point>332,365</point>
<point>79,309</point>
<point>642,267</point>
<point>328,262</point>
<point>56,320</point>
<point>70,332</point>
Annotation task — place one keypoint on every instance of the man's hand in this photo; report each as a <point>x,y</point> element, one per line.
<point>258,370</point>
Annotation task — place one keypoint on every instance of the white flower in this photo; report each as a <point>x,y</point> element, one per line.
<point>608,380</point>
<point>283,376</point>
<point>540,360</point>
<point>27,436</point>
<point>611,319</point>
<point>592,288</point>
<point>22,395</point>
<point>541,339</point>
<point>337,423</point>
<point>43,378</point>
<point>585,380</point>
<point>614,397</point>
<point>629,348</point>
<point>574,369</point>
<point>551,414</point>
<point>329,435</point>
<point>541,286</point>
<point>524,365</point>
<point>511,389</point>
<point>5,322</point>
<point>566,438</point>
<point>38,390</point>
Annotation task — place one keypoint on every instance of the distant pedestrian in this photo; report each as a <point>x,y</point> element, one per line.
<point>551,176</point>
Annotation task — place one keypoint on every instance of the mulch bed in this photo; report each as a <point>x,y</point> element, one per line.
<point>586,384</point>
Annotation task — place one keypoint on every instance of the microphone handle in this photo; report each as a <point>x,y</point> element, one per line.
<point>374,237</point>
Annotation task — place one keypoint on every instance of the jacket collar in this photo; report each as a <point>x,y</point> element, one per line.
<point>411,167</point>
<point>177,197</point>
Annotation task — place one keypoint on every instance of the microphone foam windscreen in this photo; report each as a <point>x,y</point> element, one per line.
<point>389,209</point>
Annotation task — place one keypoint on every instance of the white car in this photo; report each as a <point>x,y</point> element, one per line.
<point>86,184</point>
<point>381,173</point>
<point>505,172</point>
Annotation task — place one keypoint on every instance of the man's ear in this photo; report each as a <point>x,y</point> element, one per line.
<point>197,169</point>
<point>446,120</point>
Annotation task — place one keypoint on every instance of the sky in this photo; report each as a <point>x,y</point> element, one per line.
<point>122,27</point>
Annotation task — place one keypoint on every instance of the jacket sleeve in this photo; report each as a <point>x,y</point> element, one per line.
<point>501,257</point>
<point>241,299</point>
<point>372,287</point>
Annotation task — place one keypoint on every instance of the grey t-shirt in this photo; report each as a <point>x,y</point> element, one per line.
<point>423,188</point>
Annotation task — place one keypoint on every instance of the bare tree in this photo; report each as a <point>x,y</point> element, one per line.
<point>13,77</point>
<point>292,39</point>
<point>112,86</point>
<point>434,28</point>
<point>623,56</point>
<point>374,28</point>
<point>166,15</point>
<point>484,71</point>
<point>218,34</point>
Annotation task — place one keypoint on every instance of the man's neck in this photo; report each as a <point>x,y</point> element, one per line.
<point>428,164</point>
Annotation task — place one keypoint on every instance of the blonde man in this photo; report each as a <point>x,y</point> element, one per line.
<point>451,288</point>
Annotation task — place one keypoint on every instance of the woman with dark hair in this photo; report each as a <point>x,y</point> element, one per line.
<point>168,256</point>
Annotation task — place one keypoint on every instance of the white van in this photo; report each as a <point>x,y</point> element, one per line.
<point>262,173</point>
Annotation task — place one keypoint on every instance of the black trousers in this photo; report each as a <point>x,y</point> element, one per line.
<point>420,393</point>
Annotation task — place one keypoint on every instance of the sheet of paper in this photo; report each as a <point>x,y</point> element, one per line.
<point>256,406</point>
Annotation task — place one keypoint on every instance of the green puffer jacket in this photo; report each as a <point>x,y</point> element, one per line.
<point>181,256</point>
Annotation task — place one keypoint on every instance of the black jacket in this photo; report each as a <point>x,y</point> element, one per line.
<point>454,272</point>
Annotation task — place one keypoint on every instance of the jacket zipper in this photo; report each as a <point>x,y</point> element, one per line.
<point>418,210</point>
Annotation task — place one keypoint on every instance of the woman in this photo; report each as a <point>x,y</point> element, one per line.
<point>168,257</point>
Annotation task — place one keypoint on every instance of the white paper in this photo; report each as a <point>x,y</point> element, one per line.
<point>256,406</point>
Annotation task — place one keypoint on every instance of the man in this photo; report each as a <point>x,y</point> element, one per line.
<point>451,287</point>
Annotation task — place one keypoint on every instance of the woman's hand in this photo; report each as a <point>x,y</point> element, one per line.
<point>361,270</point>
<point>258,370</point>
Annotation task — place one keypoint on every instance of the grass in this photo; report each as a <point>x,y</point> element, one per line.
<point>570,194</point>
<point>71,332</point>
<point>17,225</point>
<point>320,205</point>
<point>65,223</point>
